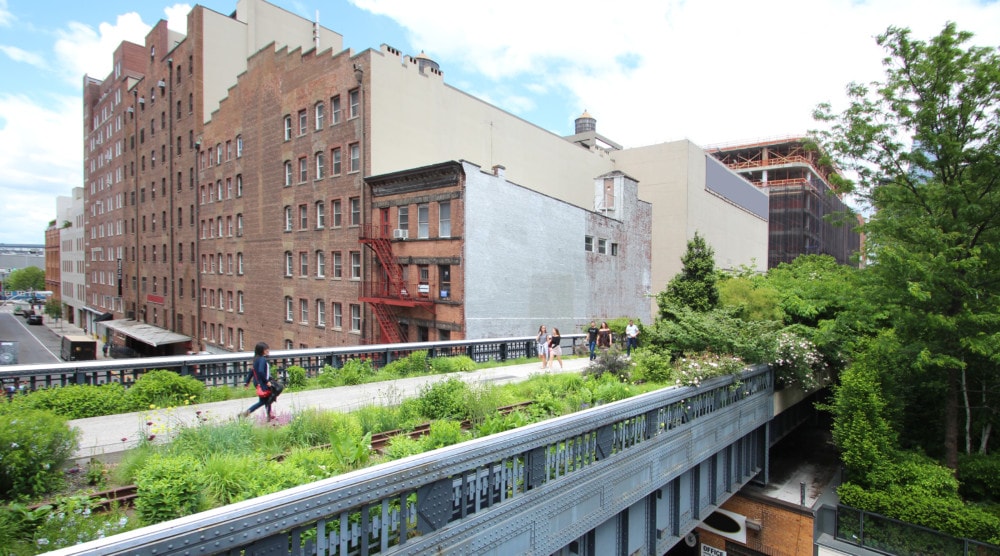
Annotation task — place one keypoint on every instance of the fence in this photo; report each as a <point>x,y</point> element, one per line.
<point>230,369</point>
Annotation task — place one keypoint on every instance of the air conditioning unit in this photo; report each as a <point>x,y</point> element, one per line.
<point>400,233</point>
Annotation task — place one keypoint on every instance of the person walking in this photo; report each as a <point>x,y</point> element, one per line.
<point>631,337</point>
<point>555,351</point>
<point>260,375</point>
<point>592,340</point>
<point>604,336</point>
<point>542,343</point>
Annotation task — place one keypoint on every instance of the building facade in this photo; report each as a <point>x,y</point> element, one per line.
<point>225,200</point>
<point>806,216</point>
<point>465,253</point>
<point>71,286</point>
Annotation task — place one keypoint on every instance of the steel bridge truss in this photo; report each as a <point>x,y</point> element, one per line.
<point>630,477</point>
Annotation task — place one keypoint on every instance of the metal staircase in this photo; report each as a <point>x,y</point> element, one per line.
<point>388,293</point>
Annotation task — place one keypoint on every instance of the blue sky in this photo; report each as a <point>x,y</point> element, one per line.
<point>712,71</point>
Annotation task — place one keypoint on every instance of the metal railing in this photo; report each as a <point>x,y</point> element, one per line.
<point>230,369</point>
<point>891,536</point>
<point>455,499</point>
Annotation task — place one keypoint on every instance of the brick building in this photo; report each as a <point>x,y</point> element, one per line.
<point>466,253</point>
<point>225,195</point>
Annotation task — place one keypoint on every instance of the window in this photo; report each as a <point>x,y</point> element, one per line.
<point>320,312</point>
<point>338,265</point>
<point>336,213</point>
<point>239,301</point>
<point>335,109</point>
<point>355,211</point>
<point>320,215</point>
<point>302,122</point>
<point>423,215</point>
<point>288,172</point>
<point>355,265</point>
<point>229,301</point>
<point>239,264</point>
<point>320,115</point>
<point>355,96</point>
<point>588,243</point>
<point>602,246</point>
<point>229,150</point>
<point>320,264</point>
<point>338,315</point>
<point>303,217</point>
<point>288,263</point>
<point>239,146</point>
<point>288,219</point>
<point>403,218</point>
<point>444,281</point>
<point>303,169</point>
<point>335,155</point>
<point>288,309</point>
<point>355,318</point>
<point>303,264</point>
<point>288,128</point>
<point>320,165</point>
<point>239,225</point>
<point>614,249</point>
<point>444,219</point>
<point>239,185</point>
<point>355,157</point>
<point>303,311</point>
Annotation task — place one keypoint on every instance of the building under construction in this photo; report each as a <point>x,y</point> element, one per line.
<point>805,215</point>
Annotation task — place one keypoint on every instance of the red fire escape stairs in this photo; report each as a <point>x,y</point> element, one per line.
<point>384,295</point>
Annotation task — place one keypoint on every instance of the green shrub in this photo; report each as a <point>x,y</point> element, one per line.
<point>355,371</point>
<point>611,361</point>
<point>947,514</point>
<point>202,441</point>
<point>444,400</point>
<point>316,464</point>
<point>401,446</point>
<point>34,445</point>
<point>74,401</point>
<point>351,452</point>
<point>495,423</point>
<point>693,370</point>
<point>979,477</point>
<point>314,427</point>
<point>378,418</point>
<point>610,390</point>
<point>455,364</point>
<point>444,433</point>
<point>64,522</point>
<point>163,388</point>
<point>416,364</point>
<point>296,376</point>
<point>169,486</point>
<point>651,366</point>
<point>227,478</point>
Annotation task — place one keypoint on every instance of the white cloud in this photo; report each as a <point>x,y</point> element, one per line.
<point>21,55</point>
<point>40,160</point>
<point>82,50</point>
<point>712,71</point>
<point>5,16</point>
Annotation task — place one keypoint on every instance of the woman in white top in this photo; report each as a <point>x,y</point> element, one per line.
<point>542,343</point>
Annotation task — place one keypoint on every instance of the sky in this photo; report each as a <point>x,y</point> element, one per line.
<point>713,71</point>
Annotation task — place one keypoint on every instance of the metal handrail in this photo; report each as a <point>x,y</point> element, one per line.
<point>232,368</point>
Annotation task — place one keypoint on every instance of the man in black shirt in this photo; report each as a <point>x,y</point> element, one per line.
<point>592,339</point>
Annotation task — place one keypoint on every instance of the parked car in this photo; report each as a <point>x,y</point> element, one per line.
<point>35,318</point>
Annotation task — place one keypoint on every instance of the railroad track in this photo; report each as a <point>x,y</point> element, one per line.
<point>125,496</point>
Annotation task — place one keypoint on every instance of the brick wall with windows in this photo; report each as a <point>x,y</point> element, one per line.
<point>304,221</point>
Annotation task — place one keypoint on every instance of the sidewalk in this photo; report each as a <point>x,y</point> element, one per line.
<point>105,438</point>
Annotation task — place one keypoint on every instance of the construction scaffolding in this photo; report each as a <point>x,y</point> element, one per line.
<point>805,216</point>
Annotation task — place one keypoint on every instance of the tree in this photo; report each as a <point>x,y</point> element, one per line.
<point>28,278</point>
<point>925,147</point>
<point>694,286</point>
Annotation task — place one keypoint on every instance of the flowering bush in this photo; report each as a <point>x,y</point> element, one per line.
<point>34,445</point>
<point>797,362</point>
<point>691,371</point>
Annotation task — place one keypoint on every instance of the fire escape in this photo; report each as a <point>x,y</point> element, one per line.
<point>386,290</point>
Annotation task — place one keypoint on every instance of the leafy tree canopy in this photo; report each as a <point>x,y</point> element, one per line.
<point>694,286</point>
<point>924,144</point>
<point>28,278</point>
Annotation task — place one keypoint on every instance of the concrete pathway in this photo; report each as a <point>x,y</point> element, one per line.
<point>105,438</point>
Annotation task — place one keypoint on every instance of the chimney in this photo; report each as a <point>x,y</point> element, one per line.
<point>498,170</point>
